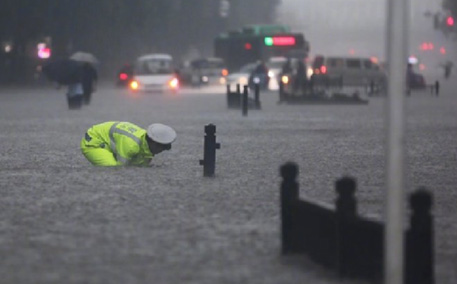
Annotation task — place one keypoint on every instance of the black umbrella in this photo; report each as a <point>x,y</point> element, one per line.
<point>63,71</point>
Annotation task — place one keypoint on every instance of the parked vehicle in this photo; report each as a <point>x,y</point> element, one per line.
<point>349,71</point>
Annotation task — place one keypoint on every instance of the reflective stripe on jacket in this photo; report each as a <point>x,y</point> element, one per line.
<point>126,141</point>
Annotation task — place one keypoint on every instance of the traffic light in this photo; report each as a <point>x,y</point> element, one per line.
<point>450,21</point>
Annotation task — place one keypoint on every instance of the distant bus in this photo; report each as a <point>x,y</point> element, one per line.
<point>259,42</point>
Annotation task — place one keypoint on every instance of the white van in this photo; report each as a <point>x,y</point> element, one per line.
<point>204,71</point>
<point>349,71</point>
<point>154,72</point>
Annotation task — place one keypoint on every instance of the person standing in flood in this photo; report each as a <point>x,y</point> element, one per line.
<point>89,79</point>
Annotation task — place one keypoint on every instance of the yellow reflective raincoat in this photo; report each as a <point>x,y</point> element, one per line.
<point>116,143</point>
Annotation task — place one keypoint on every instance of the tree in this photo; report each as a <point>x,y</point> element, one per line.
<point>119,30</point>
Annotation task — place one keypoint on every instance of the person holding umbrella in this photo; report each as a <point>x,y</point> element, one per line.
<point>67,72</point>
<point>89,73</point>
<point>89,79</point>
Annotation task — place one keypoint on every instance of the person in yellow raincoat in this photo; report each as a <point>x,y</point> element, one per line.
<point>116,143</point>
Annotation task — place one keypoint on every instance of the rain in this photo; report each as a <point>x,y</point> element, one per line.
<point>205,205</point>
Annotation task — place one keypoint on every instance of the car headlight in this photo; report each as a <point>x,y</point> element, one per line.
<point>173,83</point>
<point>271,74</point>
<point>134,85</point>
<point>243,81</point>
<point>285,79</point>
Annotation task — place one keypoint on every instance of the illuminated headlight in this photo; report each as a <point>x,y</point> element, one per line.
<point>134,85</point>
<point>222,81</point>
<point>173,83</point>
<point>285,79</point>
<point>271,74</point>
<point>309,72</point>
<point>205,79</point>
<point>256,80</point>
<point>243,81</point>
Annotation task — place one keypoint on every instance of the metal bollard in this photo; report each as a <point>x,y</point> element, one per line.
<point>257,96</point>
<point>244,101</point>
<point>209,154</point>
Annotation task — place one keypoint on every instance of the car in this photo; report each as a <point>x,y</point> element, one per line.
<point>275,67</point>
<point>204,71</point>
<point>250,74</point>
<point>124,75</point>
<point>349,71</point>
<point>155,73</point>
<point>241,76</point>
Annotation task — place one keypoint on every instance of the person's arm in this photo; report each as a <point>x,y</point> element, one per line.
<point>135,158</point>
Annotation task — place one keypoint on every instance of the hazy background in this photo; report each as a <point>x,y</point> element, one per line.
<point>353,26</point>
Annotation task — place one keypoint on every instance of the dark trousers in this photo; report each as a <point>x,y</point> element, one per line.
<point>75,102</point>
<point>86,97</point>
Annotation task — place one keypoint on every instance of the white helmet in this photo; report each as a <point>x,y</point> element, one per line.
<point>161,133</point>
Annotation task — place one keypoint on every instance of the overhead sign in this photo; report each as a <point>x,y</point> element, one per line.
<point>279,41</point>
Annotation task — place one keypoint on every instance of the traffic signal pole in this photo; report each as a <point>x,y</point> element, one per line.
<point>397,38</point>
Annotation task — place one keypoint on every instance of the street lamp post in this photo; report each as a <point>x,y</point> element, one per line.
<point>224,11</point>
<point>397,38</point>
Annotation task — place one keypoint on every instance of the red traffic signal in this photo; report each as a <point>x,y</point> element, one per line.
<point>450,21</point>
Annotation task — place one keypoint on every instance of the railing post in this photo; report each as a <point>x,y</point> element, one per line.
<point>419,260</point>
<point>346,204</point>
<point>346,209</point>
<point>289,194</point>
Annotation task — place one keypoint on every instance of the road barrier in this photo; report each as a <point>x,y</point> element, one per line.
<point>238,100</point>
<point>349,244</point>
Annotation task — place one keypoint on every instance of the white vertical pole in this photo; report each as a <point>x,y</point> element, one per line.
<point>397,47</point>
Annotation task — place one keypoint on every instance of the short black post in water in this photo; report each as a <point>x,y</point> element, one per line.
<point>238,88</point>
<point>281,91</point>
<point>437,88</point>
<point>257,96</point>
<point>209,154</point>
<point>244,101</point>
<point>229,101</point>
<point>419,264</point>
